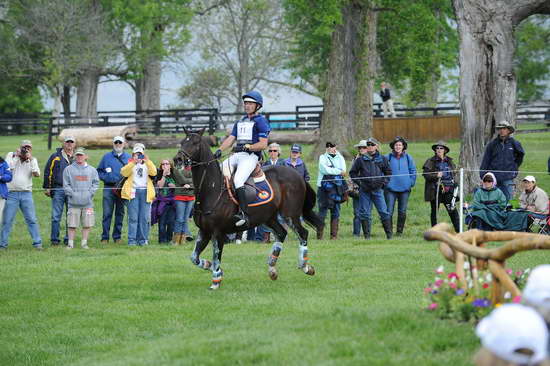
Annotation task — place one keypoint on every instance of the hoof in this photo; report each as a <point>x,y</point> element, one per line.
<point>214,286</point>
<point>273,274</point>
<point>309,269</point>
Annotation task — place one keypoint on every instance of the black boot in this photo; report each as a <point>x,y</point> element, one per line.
<point>365,225</point>
<point>242,215</point>
<point>401,218</point>
<point>387,228</point>
<point>455,219</point>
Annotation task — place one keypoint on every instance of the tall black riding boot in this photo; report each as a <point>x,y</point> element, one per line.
<point>401,218</point>
<point>387,228</point>
<point>455,219</point>
<point>242,215</point>
<point>365,225</point>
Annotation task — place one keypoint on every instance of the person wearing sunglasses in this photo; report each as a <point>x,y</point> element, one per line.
<point>109,172</point>
<point>53,185</point>
<point>439,173</point>
<point>139,192</point>
<point>274,150</point>
<point>371,171</point>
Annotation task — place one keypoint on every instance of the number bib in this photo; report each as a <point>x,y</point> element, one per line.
<point>245,131</point>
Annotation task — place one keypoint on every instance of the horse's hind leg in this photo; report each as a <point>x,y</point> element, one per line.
<point>280,234</point>
<point>217,249</point>
<point>200,243</point>
<point>303,260</point>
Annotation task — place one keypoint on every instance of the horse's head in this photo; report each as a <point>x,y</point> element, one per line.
<point>190,148</point>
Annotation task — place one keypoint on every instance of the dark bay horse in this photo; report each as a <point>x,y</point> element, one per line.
<point>214,210</point>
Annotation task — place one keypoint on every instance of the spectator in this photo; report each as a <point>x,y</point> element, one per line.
<point>185,200</point>
<point>503,157</point>
<point>5,177</point>
<point>53,185</point>
<point>331,187</point>
<point>533,198</point>
<point>295,162</point>
<point>163,209</point>
<point>537,294</point>
<point>371,172</point>
<point>438,171</point>
<point>139,192</point>
<point>23,167</point>
<point>401,182</point>
<point>80,182</point>
<point>354,194</point>
<point>512,334</point>
<point>489,205</point>
<point>109,172</point>
<point>387,102</point>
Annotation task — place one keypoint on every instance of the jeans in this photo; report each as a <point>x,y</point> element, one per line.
<point>334,212</point>
<point>366,199</point>
<point>167,222</point>
<point>59,204</point>
<point>507,187</point>
<point>22,200</point>
<point>112,203</point>
<point>402,199</point>
<point>356,220</point>
<point>139,218</point>
<point>183,213</point>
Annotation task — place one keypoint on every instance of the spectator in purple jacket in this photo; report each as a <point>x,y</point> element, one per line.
<point>296,163</point>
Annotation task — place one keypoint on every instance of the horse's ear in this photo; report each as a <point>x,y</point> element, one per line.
<point>185,130</point>
<point>201,132</point>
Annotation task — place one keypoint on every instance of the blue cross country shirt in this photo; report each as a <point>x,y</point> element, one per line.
<point>249,131</point>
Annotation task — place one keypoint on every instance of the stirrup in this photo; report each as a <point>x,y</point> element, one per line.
<point>242,219</point>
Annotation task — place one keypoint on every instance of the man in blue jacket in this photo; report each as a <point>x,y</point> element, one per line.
<point>503,157</point>
<point>109,172</point>
<point>401,182</point>
<point>5,177</point>
<point>53,185</point>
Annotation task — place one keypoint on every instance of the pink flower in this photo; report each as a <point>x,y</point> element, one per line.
<point>509,271</point>
<point>432,306</point>
<point>427,290</point>
<point>518,273</point>
<point>452,275</point>
<point>516,299</point>
<point>440,270</point>
<point>485,285</point>
<point>452,285</point>
<point>438,283</point>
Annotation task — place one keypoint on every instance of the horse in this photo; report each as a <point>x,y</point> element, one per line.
<point>293,198</point>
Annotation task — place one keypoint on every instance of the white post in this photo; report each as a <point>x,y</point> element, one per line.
<point>461,204</point>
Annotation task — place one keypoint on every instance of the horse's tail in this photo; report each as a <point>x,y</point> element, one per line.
<point>308,214</point>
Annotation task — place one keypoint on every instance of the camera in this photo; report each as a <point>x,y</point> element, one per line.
<point>23,153</point>
<point>141,156</point>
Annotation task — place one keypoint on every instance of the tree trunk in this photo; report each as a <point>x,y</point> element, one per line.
<point>347,115</point>
<point>148,87</point>
<point>487,80</point>
<point>66,101</point>
<point>86,95</point>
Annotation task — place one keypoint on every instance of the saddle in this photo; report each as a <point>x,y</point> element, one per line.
<point>257,187</point>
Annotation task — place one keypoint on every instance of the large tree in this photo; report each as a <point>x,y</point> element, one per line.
<point>487,78</point>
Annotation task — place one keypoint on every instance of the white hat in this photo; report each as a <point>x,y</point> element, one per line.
<point>118,138</point>
<point>537,289</point>
<point>530,178</point>
<point>69,138</point>
<point>514,327</point>
<point>139,148</point>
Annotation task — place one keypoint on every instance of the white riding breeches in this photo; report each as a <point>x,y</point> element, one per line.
<point>244,163</point>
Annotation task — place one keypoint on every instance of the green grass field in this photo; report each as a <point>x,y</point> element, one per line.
<point>115,305</point>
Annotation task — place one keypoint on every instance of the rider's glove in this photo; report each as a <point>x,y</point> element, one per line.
<point>218,154</point>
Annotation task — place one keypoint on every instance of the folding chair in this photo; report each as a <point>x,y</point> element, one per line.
<point>540,225</point>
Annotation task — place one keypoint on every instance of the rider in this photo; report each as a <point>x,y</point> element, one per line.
<point>251,135</point>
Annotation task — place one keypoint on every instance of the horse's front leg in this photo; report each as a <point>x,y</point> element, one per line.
<point>217,249</point>
<point>200,243</point>
<point>280,234</point>
<point>303,259</point>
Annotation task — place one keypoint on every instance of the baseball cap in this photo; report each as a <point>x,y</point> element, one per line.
<point>69,138</point>
<point>80,151</point>
<point>362,143</point>
<point>118,138</point>
<point>296,148</point>
<point>372,140</point>
<point>505,124</point>
<point>26,143</point>
<point>139,148</point>
<point>537,289</point>
<point>530,178</point>
<point>512,328</point>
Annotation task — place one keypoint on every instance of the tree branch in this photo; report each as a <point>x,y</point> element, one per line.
<point>290,85</point>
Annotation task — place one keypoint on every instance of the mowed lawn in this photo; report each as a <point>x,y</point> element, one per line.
<point>115,305</point>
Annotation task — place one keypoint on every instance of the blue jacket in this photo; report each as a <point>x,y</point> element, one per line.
<point>300,168</point>
<point>53,171</point>
<point>5,177</point>
<point>368,166</point>
<point>506,156</point>
<point>403,173</point>
<point>260,129</point>
<point>109,160</point>
<point>278,162</point>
